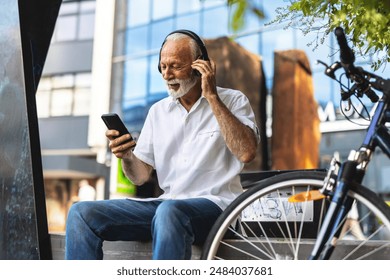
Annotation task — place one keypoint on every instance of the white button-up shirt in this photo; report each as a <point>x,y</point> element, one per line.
<point>188,151</point>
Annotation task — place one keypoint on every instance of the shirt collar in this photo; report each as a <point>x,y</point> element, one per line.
<point>175,101</point>
<point>172,102</point>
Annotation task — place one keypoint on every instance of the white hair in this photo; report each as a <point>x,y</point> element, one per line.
<point>195,49</point>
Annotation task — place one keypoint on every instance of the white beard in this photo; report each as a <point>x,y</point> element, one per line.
<point>184,88</point>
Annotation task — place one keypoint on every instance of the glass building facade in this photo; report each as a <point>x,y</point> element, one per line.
<point>148,22</point>
<point>67,92</point>
<point>141,27</point>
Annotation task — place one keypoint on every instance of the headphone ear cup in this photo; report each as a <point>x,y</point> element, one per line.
<point>159,55</point>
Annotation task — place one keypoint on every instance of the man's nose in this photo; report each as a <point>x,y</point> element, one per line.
<point>167,73</point>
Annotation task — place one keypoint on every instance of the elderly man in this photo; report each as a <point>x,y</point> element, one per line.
<point>197,139</point>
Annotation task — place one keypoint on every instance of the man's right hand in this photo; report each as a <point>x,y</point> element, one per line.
<point>136,170</point>
<point>121,147</point>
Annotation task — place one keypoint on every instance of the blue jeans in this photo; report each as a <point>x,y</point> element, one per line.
<point>173,225</point>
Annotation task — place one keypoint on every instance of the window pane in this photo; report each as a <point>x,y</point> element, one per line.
<point>157,84</point>
<point>87,26</point>
<point>274,40</point>
<point>82,94</point>
<point>44,84</point>
<point>250,43</point>
<point>138,12</point>
<point>68,8</point>
<point>159,31</point>
<point>185,6</point>
<point>61,102</point>
<point>270,6</point>
<point>63,81</point>
<point>87,6</point>
<point>136,40</point>
<point>215,22</point>
<point>82,100</point>
<point>209,4</point>
<point>134,114</point>
<point>130,107</point>
<point>162,9</point>
<point>191,22</point>
<point>43,103</point>
<point>252,21</point>
<point>83,80</point>
<point>135,78</point>
<point>66,28</point>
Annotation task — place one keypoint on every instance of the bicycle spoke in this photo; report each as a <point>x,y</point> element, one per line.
<point>363,243</point>
<point>250,243</point>
<point>301,228</point>
<point>286,224</point>
<point>258,239</point>
<point>240,250</point>
<point>374,251</point>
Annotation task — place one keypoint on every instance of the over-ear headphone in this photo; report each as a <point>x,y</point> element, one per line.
<point>194,36</point>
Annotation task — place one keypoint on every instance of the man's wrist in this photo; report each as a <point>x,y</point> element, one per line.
<point>213,98</point>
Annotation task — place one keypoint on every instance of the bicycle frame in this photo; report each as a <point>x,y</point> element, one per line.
<point>352,171</point>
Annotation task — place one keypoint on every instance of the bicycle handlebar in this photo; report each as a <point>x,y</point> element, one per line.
<point>347,57</point>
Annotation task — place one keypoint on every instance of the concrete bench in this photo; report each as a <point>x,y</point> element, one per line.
<point>134,250</point>
<point>115,250</point>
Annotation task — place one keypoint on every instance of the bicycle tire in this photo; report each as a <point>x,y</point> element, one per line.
<point>238,235</point>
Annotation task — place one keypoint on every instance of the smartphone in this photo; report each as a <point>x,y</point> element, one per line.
<point>113,121</point>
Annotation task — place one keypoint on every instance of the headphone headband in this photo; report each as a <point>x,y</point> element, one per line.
<point>194,36</point>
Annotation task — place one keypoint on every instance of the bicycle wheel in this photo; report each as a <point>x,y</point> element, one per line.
<point>262,224</point>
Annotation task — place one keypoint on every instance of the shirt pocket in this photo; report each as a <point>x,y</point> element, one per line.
<point>209,150</point>
<point>209,133</point>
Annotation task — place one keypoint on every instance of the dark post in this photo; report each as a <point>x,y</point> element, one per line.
<point>26,27</point>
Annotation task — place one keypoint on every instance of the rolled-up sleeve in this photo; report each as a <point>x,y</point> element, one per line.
<point>242,110</point>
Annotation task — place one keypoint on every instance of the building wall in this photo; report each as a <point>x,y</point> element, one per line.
<point>64,106</point>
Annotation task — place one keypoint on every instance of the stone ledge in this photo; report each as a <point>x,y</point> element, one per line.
<point>134,250</point>
<point>115,250</point>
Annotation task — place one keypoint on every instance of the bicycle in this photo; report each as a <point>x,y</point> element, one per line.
<point>303,214</point>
